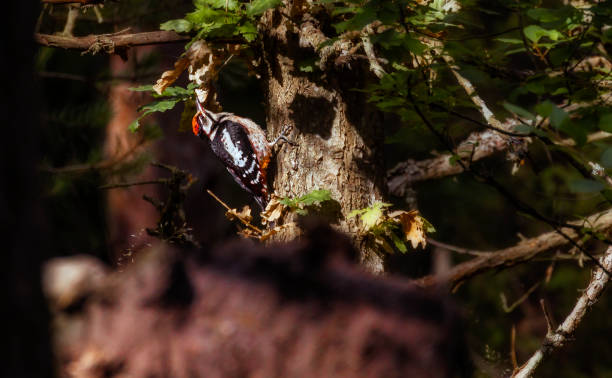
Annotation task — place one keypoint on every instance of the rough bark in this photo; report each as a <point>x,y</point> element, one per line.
<point>339,135</point>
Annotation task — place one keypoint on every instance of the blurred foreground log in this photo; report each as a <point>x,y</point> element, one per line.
<point>300,310</point>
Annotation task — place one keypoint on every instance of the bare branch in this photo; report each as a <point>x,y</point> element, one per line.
<point>481,144</point>
<point>375,67</point>
<point>484,143</point>
<point>136,183</point>
<point>479,102</point>
<point>522,252</point>
<point>449,247</point>
<point>558,338</point>
<point>109,42</point>
<point>73,14</point>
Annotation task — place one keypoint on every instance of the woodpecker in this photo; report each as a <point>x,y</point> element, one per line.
<point>242,147</point>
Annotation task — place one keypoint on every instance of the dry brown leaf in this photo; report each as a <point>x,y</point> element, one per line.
<point>267,234</point>
<point>204,64</point>
<point>244,214</point>
<point>169,77</point>
<point>248,233</point>
<point>274,210</point>
<point>412,227</point>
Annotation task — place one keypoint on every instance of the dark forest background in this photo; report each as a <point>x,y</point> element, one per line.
<point>66,117</point>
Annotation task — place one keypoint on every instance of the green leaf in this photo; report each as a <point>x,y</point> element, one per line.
<point>513,41</point>
<point>605,122</point>
<point>606,158</point>
<point>314,197</point>
<point>142,88</point>
<point>179,26</point>
<point>429,228</point>
<point>160,106</point>
<point>558,117</point>
<point>258,7</point>
<point>454,159</point>
<point>398,242</point>
<point>133,127</point>
<point>372,215</point>
<point>585,186</point>
<point>308,65</point>
<point>543,14</point>
<point>320,195</point>
<point>523,129</point>
<point>535,32</point>
<point>544,108</point>
<point>363,17</point>
<point>157,106</point>
<point>518,110</point>
<point>217,4</point>
<point>248,31</point>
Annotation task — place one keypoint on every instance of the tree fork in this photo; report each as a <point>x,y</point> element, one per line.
<point>340,137</point>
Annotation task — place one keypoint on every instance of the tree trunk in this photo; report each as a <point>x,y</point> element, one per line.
<point>339,135</point>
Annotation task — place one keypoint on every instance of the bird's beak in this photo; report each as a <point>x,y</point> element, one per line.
<point>199,105</point>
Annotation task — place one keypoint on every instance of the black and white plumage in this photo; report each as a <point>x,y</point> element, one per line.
<point>242,147</point>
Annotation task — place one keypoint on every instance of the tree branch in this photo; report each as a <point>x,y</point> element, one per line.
<point>109,42</point>
<point>558,338</point>
<point>478,144</point>
<point>522,252</point>
<point>375,67</point>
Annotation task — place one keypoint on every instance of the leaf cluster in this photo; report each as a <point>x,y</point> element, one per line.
<point>219,19</point>
<point>166,101</point>
<point>300,205</point>
<point>398,227</point>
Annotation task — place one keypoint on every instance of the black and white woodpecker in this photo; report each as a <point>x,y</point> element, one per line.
<point>242,147</point>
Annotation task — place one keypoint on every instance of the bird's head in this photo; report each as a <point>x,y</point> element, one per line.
<point>203,121</point>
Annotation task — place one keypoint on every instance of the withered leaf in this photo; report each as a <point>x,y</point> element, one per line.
<point>244,214</point>
<point>169,77</point>
<point>412,226</point>
<point>273,212</point>
<point>266,234</point>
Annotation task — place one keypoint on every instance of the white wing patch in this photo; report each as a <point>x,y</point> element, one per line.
<point>256,135</point>
<point>251,168</point>
<point>239,159</point>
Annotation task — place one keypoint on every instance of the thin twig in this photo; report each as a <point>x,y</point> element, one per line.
<point>523,298</point>
<point>513,348</point>
<point>558,338</point>
<point>550,321</point>
<point>248,224</point>
<point>73,14</point>
<point>136,183</point>
<point>453,248</point>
